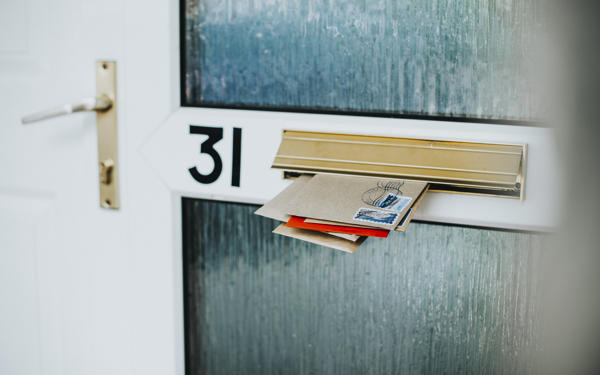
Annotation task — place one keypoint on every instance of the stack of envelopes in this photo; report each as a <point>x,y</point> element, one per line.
<point>342,211</point>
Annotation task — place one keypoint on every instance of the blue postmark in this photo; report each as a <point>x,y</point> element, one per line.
<point>374,196</point>
<point>375,216</point>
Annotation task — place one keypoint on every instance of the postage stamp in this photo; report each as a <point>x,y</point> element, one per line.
<point>394,202</point>
<point>375,216</point>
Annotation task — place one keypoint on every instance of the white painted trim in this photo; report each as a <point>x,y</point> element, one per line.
<point>169,150</point>
<point>172,150</point>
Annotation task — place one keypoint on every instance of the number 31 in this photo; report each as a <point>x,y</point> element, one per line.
<point>207,147</point>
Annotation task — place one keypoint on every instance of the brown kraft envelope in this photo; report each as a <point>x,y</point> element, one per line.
<point>368,201</point>
<point>401,226</point>
<point>411,212</point>
<point>320,238</point>
<point>276,208</point>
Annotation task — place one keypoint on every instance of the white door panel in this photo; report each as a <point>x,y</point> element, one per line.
<point>65,262</point>
<point>22,217</point>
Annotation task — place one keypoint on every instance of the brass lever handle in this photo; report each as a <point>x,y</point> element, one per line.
<point>105,104</point>
<point>99,103</point>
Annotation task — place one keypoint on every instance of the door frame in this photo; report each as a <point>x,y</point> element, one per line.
<point>155,143</point>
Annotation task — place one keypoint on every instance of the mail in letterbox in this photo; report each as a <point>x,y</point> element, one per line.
<point>366,201</point>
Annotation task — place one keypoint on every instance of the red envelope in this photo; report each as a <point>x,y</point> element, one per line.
<point>298,222</point>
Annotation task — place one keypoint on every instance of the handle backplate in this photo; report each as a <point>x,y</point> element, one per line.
<point>108,166</point>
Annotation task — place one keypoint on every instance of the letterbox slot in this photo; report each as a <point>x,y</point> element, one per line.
<point>449,166</point>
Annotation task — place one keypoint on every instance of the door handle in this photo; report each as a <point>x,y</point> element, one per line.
<point>105,106</point>
<point>100,103</point>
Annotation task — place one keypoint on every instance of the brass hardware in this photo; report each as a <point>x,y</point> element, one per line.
<point>462,167</point>
<point>106,171</point>
<point>106,84</point>
<point>105,106</point>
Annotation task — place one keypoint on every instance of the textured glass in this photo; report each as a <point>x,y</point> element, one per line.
<point>465,58</point>
<point>434,300</point>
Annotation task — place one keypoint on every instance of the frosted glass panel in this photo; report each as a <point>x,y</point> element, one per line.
<point>435,300</point>
<point>464,58</point>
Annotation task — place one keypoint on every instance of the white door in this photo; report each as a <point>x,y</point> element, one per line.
<point>89,290</point>
<point>72,281</point>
